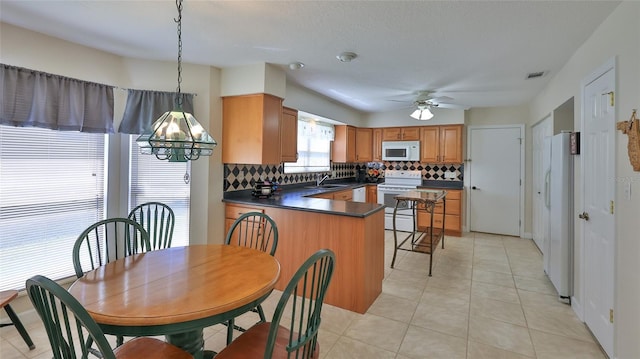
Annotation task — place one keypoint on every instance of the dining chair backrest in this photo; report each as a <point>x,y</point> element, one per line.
<point>67,323</point>
<point>254,230</point>
<point>293,331</point>
<point>158,220</point>
<point>106,241</point>
<point>301,305</point>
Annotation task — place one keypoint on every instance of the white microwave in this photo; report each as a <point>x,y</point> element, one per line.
<point>401,150</point>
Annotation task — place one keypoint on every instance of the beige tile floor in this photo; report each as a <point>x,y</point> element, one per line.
<point>488,298</point>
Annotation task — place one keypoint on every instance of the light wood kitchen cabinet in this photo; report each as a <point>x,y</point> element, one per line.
<point>289,135</point>
<point>233,211</point>
<point>344,144</point>
<point>358,244</point>
<point>453,223</point>
<point>441,144</point>
<point>251,129</point>
<point>372,193</point>
<point>364,145</point>
<point>344,195</point>
<point>377,144</point>
<point>401,133</point>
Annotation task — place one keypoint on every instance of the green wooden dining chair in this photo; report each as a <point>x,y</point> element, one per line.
<point>158,220</point>
<point>258,231</point>
<point>69,325</point>
<point>106,241</point>
<point>293,331</point>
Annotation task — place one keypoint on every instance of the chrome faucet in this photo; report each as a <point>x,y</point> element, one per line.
<point>319,180</point>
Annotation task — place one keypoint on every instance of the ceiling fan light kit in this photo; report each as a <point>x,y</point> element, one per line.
<point>422,113</point>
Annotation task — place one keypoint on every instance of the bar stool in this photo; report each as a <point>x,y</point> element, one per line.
<point>5,298</point>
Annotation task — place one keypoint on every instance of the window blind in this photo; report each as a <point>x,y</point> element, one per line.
<point>154,180</point>
<point>314,147</point>
<point>52,187</point>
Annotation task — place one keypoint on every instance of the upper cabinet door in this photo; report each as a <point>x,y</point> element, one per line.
<point>451,144</point>
<point>251,129</point>
<point>344,144</point>
<point>429,144</point>
<point>364,145</point>
<point>411,133</point>
<point>289,135</point>
<point>377,144</point>
<point>392,134</point>
<point>401,133</point>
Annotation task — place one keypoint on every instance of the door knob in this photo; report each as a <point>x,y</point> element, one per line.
<point>584,215</point>
<point>474,187</point>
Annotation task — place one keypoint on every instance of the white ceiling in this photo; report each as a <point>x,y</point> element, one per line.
<point>478,53</point>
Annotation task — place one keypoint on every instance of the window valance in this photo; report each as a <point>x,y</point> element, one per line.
<point>145,106</point>
<point>37,99</point>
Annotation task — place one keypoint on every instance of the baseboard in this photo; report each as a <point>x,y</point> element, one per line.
<point>527,235</point>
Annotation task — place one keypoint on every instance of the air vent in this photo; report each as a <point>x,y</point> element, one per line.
<point>533,75</point>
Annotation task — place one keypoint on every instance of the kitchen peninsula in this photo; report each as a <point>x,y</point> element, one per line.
<point>353,230</point>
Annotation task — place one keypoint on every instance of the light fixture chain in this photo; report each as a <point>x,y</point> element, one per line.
<point>179,21</point>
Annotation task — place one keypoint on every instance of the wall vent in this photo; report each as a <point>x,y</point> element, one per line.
<point>533,75</point>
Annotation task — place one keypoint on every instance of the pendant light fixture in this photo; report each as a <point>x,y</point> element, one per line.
<point>177,136</point>
<point>423,112</point>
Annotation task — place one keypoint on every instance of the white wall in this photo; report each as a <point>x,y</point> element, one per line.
<point>618,36</point>
<point>441,116</point>
<point>308,101</point>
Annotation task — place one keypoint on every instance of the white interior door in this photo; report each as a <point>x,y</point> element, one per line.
<point>598,218</point>
<point>542,133</point>
<point>494,171</point>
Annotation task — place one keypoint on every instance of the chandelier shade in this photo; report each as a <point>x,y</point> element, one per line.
<point>177,136</point>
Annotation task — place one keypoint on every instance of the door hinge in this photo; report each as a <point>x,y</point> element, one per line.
<point>611,207</point>
<point>611,315</point>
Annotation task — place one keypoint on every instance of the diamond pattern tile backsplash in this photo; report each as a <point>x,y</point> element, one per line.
<point>240,177</point>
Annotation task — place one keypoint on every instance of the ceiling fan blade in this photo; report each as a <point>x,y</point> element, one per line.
<point>451,106</point>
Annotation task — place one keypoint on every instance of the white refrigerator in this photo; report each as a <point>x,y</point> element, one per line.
<point>558,256</point>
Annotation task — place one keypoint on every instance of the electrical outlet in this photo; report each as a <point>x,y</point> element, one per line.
<point>449,175</point>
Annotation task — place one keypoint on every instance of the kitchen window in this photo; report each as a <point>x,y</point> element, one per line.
<point>314,147</point>
<point>153,180</point>
<point>52,187</point>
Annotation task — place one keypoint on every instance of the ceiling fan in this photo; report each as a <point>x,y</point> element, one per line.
<point>425,99</point>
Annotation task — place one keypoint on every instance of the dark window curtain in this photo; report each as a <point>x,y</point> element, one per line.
<point>37,99</point>
<point>144,107</point>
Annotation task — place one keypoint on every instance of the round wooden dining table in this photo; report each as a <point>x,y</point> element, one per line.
<point>177,292</point>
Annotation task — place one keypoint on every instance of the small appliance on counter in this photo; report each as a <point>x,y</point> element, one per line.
<point>264,189</point>
<point>361,175</point>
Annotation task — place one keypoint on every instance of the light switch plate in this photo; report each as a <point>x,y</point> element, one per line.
<point>449,174</point>
<point>627,191</point>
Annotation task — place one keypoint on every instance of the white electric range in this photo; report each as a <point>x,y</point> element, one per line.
<point>397,182</point>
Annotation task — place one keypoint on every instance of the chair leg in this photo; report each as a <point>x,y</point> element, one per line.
<point>119,340</point>
<point>91,350</point>
<point>18,324</point>
<point>261,314</point>
<point>230,325</point>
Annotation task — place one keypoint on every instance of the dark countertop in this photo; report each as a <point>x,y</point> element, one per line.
<point>296,197</point>
<point>440,184</point>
